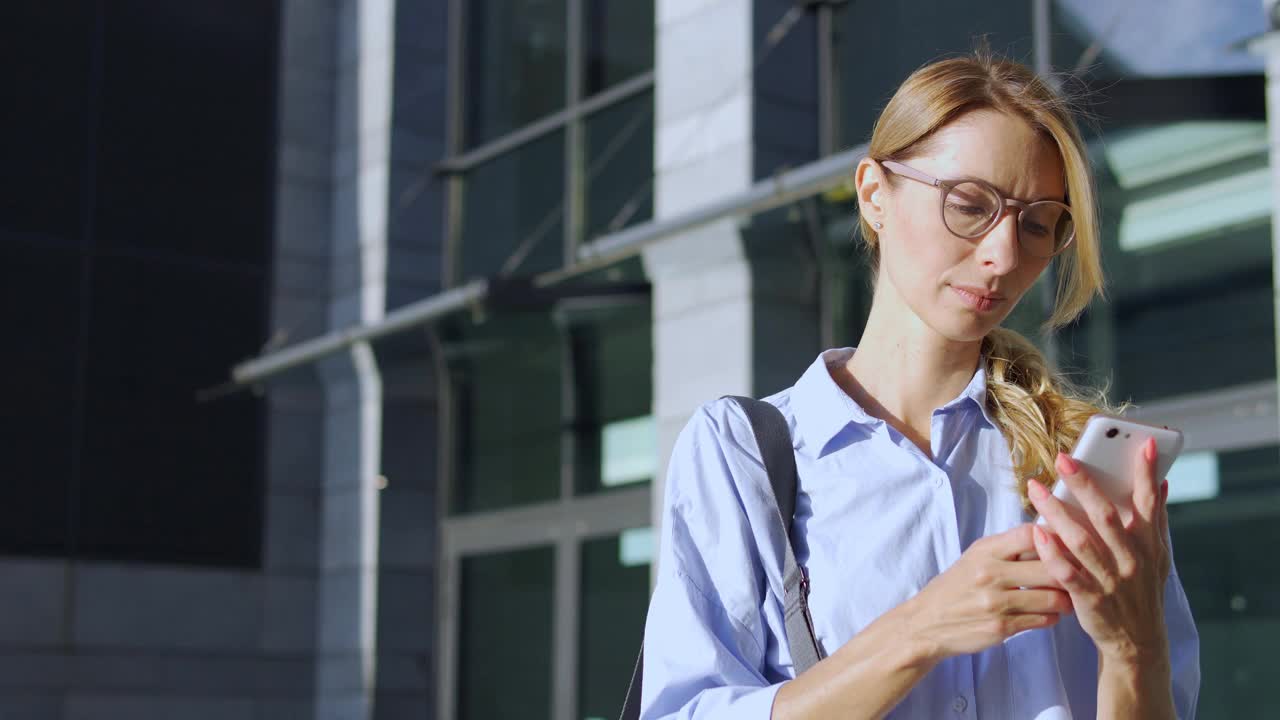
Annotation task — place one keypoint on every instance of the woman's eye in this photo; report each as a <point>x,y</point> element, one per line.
<point>973,210</point>
<point>1035,229</point>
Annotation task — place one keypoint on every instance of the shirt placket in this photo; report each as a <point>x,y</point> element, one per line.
<point>959,701</point>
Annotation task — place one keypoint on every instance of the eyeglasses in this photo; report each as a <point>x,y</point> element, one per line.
<point>971,207</point>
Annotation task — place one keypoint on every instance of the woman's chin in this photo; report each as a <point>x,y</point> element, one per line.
<point>964,329</point>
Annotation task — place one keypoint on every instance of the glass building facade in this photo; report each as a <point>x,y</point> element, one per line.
<point>552,405</point>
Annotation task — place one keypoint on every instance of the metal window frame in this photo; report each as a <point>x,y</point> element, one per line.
<point>567,522</point>
<point>564,524</point>
<point>462,161</point>
<point>571,119</point>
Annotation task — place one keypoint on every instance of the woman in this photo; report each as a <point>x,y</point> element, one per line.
<point>923,457</point>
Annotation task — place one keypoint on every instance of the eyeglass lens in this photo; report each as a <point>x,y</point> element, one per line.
<point>969,209</point>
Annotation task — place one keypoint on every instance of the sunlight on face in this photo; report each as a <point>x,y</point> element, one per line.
<point>961,288</point>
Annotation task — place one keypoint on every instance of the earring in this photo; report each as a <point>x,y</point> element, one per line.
<point>877,225</point>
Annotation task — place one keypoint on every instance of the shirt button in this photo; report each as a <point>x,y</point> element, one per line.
<point>959,704</point>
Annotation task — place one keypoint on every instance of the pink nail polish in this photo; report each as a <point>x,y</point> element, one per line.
<point>1037,490</point>
<point>1065,464</point>
<point>1149,449</point>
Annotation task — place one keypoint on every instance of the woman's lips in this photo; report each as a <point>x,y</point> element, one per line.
<point>976,300</point>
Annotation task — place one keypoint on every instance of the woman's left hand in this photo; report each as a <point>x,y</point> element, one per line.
<point>1113,561</point>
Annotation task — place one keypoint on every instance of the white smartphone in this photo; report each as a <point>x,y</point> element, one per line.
<point>1109,450</point>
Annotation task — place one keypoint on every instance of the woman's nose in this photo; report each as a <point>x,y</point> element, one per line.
<point>999,249</point>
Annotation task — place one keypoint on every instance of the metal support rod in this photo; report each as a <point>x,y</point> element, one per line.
<point>766,194</point>
<point>826,81</point>
<point>409,316</point>
<point>1041,37</point>
<point>549,124</point>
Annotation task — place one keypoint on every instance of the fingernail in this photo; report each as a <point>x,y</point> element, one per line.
<point>1149,449</point>
<point>1065,465</point>
<point>1037,490</point>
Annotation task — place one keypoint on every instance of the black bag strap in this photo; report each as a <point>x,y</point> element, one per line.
<point>774,438</point>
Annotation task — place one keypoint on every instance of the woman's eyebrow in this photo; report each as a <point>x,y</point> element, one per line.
<point>1004,192</point>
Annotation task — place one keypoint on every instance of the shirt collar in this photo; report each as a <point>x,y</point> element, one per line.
<point>823,408</point>
<point>975,394</point>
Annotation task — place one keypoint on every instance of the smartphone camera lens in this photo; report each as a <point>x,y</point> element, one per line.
<point>1112,432</point>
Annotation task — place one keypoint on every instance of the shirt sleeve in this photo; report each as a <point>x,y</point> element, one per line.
<point>705,636</point>
<point>1184,646</point>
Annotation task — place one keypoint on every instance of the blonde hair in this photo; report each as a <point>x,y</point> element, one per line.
<point>1038,411</point>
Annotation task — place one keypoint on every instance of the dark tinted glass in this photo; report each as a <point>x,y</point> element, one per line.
<point>613,366</point>
<point>135,249</point>
<point>507,375</point>
<point>615,596</point>
<point>165,477</point>
<point>504,639</point>
<point>40,308</point>
<point>1223,548</point>
<point>46,56</point>
<point>513,205</point>
<point>617,42</point>
<point>877,45</point>
<point>619,185</point>
<point>186,136</point>
<point>1187,240</point>
<point>515,64</point>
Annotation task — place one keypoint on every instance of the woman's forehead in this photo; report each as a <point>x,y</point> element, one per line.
<point>1001,149</point>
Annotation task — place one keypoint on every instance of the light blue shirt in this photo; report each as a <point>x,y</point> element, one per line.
<point>876,520</point>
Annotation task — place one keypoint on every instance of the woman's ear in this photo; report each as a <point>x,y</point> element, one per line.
<point>869,179</point>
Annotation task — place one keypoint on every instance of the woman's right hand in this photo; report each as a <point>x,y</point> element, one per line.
<point>987,596</point>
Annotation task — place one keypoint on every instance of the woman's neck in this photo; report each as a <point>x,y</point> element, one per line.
<point>903,369</point>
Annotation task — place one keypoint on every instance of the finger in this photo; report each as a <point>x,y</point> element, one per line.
<point>1074,530</point>
<point>1027,574</point>
<point>1162,516</point>
<point>1072,578</point>
<point>1037,601</point>
<point>1107,518</point>
<point>1146,487</point>
<point>1010,543</point>
<point>1014,624</point>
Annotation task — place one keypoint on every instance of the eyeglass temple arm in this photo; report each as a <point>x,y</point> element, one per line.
<point>899,169</point>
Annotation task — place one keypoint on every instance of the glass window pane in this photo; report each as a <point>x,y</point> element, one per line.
<point>1223,549</point>
<point>507,373</point>
<point>1192,306</point>
<point>166,478</point>
<point>44,145</point>
<point>617,42</point>
<point>615,597</point>
<point>619,182</point>
<point>877,44</point>
<point>512,206</point>
<point>1197,37</point>
<point>38,383</point>
<point>504,637</point>
<point>613,357</point>
<point>515,65</point>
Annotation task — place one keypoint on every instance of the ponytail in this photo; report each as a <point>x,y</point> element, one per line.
<point>1038,411</point>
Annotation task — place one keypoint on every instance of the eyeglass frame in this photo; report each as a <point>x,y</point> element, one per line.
<point>946,186</point>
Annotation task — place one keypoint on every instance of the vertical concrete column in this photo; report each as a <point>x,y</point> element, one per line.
<point>703,152</point>
<point>296,414</point>
<point>348,497</point>
<point>734,307</point>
